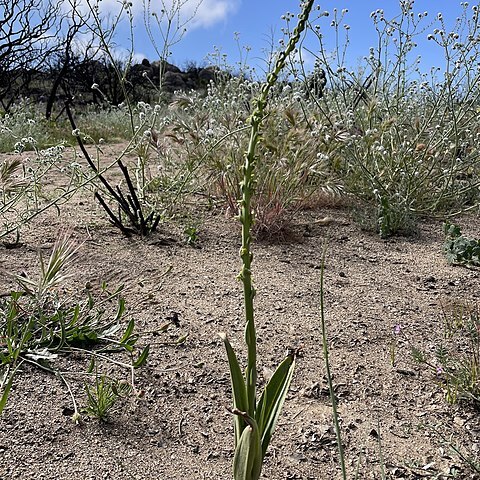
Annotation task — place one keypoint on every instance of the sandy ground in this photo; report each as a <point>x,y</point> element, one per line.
<point>179,427</point>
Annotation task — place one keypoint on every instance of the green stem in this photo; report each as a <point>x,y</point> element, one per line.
<point>329,375</point>
<point>246,214</point>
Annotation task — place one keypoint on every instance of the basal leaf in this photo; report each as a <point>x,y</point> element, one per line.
<point>239,389</point>
<point>272,399</point>
<point>247,462</point>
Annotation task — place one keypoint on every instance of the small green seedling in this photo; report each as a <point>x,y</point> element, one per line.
<point>103,396</point>
<point>191,235</point>
<point>458,249</point>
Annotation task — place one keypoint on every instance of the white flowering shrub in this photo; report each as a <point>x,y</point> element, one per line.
<point>26,121</point>
<point>399,141</point>
<point>402,139</point>
<point>24,191</point>
<point>206,137</point>
<point>26,177</point>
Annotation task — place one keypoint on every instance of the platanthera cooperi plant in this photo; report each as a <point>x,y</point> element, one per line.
<point>255,419</point>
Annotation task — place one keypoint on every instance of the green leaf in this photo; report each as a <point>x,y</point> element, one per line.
<point>121,309</point>
<point>272,399</point>
<point>91,365</point>
<point>6,391</point>
<point>91,301</point>
<point>452,230</point>
<point>247,462</point>
<point>91,335</point>
<point>239,388</point>
<point>142,358</point>
<point>164,327</point>
<point>128,331</point>
<point>460,250</point>
<point>63,335</point>
<point>181,339</point>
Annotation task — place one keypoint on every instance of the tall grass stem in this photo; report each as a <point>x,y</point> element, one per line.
<point>333,399</point>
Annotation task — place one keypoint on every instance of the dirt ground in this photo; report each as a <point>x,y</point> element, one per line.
<point>180,428</point>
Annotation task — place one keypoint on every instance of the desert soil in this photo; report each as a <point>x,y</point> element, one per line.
<point>179,427</point>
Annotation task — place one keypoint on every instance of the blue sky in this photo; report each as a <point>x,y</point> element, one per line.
<point>259,21</point>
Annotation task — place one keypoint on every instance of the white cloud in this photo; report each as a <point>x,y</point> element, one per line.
<point>193,13</point>
<point>212,12</point>
<point>185,15</point>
